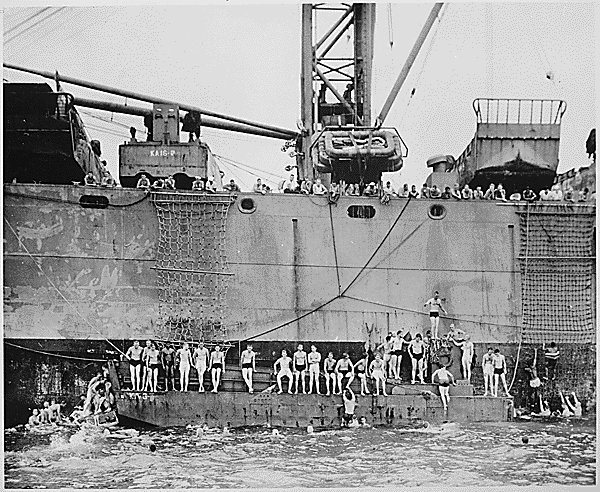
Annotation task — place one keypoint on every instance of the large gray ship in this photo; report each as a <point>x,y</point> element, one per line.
<point>88,269</point>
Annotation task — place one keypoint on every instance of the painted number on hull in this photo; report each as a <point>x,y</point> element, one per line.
<point>163,153</point>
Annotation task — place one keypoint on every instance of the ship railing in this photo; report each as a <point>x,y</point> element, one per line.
<point>520,111</point>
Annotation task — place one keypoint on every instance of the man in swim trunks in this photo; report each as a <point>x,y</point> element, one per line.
<point>360,369</point>
<point>167,358</point>
<point>386,347</point>
<point>217,367</point>
<point>200,358</point>
<point>395,351</point>
<point>500,372</point>
<point>416,350</point>
<point>349,399</point>
<point>152,365</point>
<point>184,356</point>
<point>330,375</point>
<point>487,364</point>
<point>443,378</point>
<point>344,369</point>
<point>435,305</point>
<point>248,365</point>
<point>300,364</point>
<point>467,355</point>
<point>145,371</point>
<point>134,355</point>
<point>551,354</point>
<point>284,362</point>
<point>314,361</point>
<point>376,368</point>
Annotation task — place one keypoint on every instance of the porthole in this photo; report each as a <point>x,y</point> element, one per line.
<point>437,212</point>
<point>93,201</point>
<point>246,205</point>
<point>361,211</point>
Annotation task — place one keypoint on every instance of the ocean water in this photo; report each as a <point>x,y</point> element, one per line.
<point>558,453</point>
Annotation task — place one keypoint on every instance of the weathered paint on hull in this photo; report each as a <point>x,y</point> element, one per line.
<point>100,261</point>
<point>299,411</point>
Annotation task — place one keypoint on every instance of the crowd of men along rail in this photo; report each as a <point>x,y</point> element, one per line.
<point>384,192</point>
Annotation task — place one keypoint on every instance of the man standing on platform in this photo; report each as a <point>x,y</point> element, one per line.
<point>435,305</point>
<point>500,372</point>
<point>467,355</point>
<point>201,357</point>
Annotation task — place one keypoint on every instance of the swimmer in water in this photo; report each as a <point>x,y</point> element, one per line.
<point>444,380</point>
<point>34,419</point>
<point>377,371</point>
<point>566,406</point>
<point>284,362</point>
<point>134,355</point>
<point>544,409</point>
<point>349,399</point>
<point>55,415</point>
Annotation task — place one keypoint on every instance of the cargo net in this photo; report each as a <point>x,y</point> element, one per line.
<point>191,265</point>
<point>558,270</point>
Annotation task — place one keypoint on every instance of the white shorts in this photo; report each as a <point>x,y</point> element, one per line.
<point>313,368</point>
<point>285,372</point>
<point>488,369</point>
<point>377,374</point>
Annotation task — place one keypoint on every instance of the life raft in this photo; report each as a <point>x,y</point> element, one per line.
<point>380,150</point>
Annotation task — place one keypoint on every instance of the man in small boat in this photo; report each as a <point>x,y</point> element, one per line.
<point>143,182</point>
<point>344,369</point>
<point>330,375</point>
<point>500,372</point>
<point>134,355</point>
<point>217,367</point>
<point>377,370</point>
<point>468,350</point>
<point>167,358</point>
<point>248,366</point>
<point>314,362</point>
<point>443,378</point>
<point>416,350</point>
<point>284,362</point>
<point>184,358</point>
<point>435,305</point>
<point>300,365</point>
<point>201,358</point>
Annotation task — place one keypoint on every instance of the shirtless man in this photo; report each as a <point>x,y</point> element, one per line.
<point>416,350</point>
<point>544,408</point>
<point>300,365</point>
<point>435,305</point>
<point>248,365</point>
<point>34,419</point>
<point>167,358</point>
<point>467,355</point>
<point>566,406</point>
<point>217,367</point>
<point>444,380</point>
<point>55,415</point>
<point>344,369</point>
<point>551,354</point>
<point>500,372</point>
<point>152,365</point>
<point>145,365</point>
<point>360,368</point>
<point>487,365</point>
<point>576,406</point>
<point>284,362</point>
<point>184,357</point>
<point>314,361</point>
<point>134,355</point>
<point>200,358</point>
<point>387,350</point>
<point>376,368</point>
<point>330,375</point>
<point>349,399</point>
<point>395,353</point>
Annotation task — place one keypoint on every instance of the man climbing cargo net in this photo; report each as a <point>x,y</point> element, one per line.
<point>558,268</point>
<point>191,265</point>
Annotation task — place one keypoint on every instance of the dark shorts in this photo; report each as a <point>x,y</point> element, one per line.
<point>154,366</point>
<point>300,367</point>
<point>348,417</point>
<point>445,384</point>
<point>246,365</point>
<point>417,356</point>
<point>396,352</point>
<point>217,365</point>
<point>344,372</point>
<point>434,315</point>
<point>359,371</point>
<point>330,371</point>
<point>498,371</point>
<point>133,362</point>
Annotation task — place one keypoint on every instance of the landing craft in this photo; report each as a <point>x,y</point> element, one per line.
<point>90,268</point>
